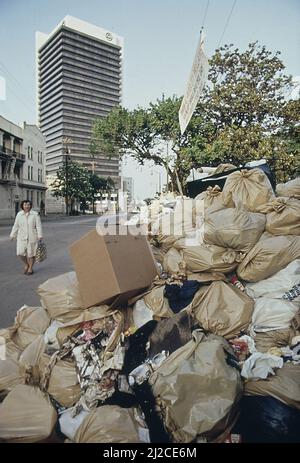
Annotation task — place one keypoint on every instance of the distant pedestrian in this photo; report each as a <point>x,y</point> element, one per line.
<point>28,231</point>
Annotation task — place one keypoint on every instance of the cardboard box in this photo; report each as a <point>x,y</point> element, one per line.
<point>112,268</point>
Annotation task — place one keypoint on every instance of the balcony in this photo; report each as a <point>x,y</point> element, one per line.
<point>8,181</point>
<point>8,153</point>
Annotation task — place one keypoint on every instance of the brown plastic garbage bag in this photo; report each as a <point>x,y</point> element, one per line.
<point>284,385</point>
<point>233,228</point>
<point>222,309</point>
<point>283,216</point>
<point>208,277</point>
<point>109,424</point>
<point>213,199</point>
<point>30,358</point>
<point>251,188</point>
<point>268,256</point>
<point>60,297</point>
<point>164,242</point>
<point>29,323</point>
<point>173,262</point>
<point>10,375</point>
<point>61,381</point>
<point>5,333</point>
<point>195,389</point>
<point>207,257</point>
<point>295,323</point>
<point>26,415</point>
<point>158,254</point>
<point>12,351</point>
<point>8,349</point>
<point>289,189</point>
<point>22,371</point>
<point>275,338</point>
<point>159,304</point>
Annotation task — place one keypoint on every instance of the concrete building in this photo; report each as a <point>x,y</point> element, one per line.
<point>79,78</point>
<point>22,167</point>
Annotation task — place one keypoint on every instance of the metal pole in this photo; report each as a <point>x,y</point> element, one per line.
<point>168,167</point>
<point>67,182</point>
<point>66,142</point>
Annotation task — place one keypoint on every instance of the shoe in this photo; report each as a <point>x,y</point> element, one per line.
<point>29,272</point>
<point>25,270</point>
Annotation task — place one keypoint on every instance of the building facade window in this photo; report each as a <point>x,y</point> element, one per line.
<point>27,194</point>
<point>40,157</point>
<point>28,172</point>
<point>31,153</point>
<point>28,152</point>
<point>31,173</point>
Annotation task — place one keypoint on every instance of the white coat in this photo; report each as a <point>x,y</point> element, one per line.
<point>28,230</point>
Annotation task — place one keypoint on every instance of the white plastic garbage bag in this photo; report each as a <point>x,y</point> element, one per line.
<point>276,285</point>
<point>50,334</point>
<point>70,424</point>
<point>141,313</point>
<point>261,365</point>
<point>272,314</point>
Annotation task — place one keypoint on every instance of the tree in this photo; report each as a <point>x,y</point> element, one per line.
<point>243,115</point>
<point>100,185</point>
<point>144,133</point>
<point>72,184</point>
<point>246,109</point>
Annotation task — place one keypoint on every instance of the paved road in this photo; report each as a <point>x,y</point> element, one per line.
<point>17,289</point>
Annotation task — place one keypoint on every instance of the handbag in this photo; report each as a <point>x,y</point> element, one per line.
<point>41,252</point>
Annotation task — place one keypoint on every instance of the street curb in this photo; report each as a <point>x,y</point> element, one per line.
<point>10,222</point>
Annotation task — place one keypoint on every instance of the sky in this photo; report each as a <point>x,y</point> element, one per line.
<point>160,40</point>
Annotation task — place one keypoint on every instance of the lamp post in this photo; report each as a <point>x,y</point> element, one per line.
<point>66,141</point>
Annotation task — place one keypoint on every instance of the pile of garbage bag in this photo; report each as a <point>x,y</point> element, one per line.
<point>208,350</point>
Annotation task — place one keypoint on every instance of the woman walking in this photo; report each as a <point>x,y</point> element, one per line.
<point>28,231</point>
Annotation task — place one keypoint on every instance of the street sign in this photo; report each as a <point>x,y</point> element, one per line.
<point>196,82</point>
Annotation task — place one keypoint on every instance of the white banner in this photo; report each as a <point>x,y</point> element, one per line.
<point>195,86</point>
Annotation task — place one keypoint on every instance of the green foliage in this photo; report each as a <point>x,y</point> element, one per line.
<point>76,182</point>
<point>246,103</point>
<point>243,115</point>
<point>100,184</point>
<point>72,182</point>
